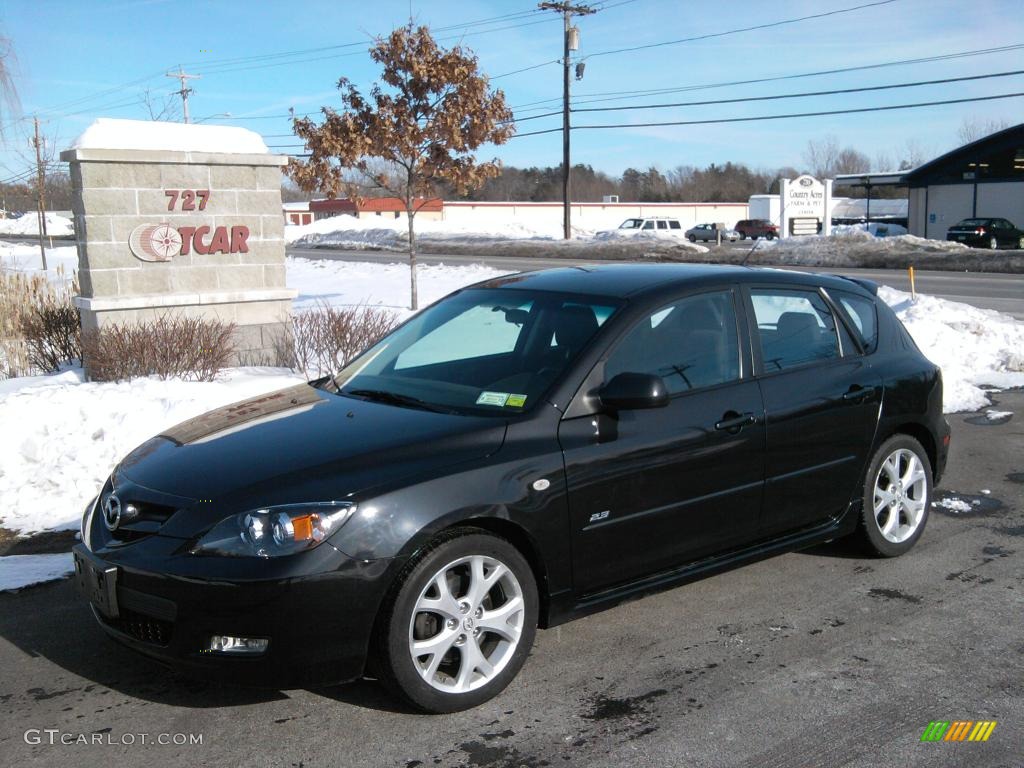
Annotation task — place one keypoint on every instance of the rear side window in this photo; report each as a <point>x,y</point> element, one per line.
<point>648,225</point>
<point>794,327</point>
<point>674,225</point>
<point>863,314</point>
<point>662,225</point>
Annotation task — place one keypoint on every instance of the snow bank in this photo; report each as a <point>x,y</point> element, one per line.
<point>376,285</point>
<point>974,347</point>
<point>28,224</point>
<point>876,228</point>
<point>851,242</point>
<point>17,571</point>
<point>110,133</point>
<point>63,435</point>
<point>62,262</point>
<point>379,232</point>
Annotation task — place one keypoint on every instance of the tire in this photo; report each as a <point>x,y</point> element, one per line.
<point>900,459</point>
<point>742,236</point>
<point>692,238</point>
<point>993,244</point>
<point>452,678</point>
<point>770,236</point>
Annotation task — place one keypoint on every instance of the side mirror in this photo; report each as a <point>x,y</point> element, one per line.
<point>633,391</point>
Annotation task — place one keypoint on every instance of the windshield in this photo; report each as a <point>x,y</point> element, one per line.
<point>631,224</point>
<point>479,351</point>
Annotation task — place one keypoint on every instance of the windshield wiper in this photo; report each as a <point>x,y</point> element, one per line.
<point>394,398</point>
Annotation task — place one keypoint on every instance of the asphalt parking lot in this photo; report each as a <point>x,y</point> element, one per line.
<point>815,658</point>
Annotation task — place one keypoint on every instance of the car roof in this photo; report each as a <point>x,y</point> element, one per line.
<point>626,281</point>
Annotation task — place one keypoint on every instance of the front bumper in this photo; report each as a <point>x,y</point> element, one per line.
<point>317,610</point>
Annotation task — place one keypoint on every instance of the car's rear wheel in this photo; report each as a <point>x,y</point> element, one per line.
<point>993,244</point>
<point>897,495</point>
<point>460,623</point>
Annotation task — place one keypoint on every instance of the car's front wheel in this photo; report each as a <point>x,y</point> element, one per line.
<point>692,238</point>
<point>460,623</point>
<point>993,244</point>
<point>897,494</point>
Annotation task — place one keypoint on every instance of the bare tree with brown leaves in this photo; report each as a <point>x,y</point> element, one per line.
<point>435,112</point>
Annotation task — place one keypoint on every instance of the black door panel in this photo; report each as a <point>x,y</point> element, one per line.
<point>820,422</point>
<point>652,489</point>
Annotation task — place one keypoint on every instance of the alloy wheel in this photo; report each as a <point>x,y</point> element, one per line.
<point>466,624</point>
<point>900,495</point>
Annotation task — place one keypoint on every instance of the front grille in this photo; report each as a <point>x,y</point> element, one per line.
<point>141,627</point>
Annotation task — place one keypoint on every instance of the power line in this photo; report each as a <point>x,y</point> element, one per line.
<point>753,28</point>
<point>631,94</point>
<point>803,114</point>
<point>804,94</point>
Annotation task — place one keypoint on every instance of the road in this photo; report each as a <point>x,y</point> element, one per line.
<point>821,658</point>
<point>1002,292</point>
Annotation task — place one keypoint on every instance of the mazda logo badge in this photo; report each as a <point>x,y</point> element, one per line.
<point>112,512</point>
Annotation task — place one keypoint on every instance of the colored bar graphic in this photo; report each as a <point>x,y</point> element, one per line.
<point>935,731</point>
<point>958,730</point>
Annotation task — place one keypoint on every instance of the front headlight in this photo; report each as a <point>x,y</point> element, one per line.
<point>275,531</point>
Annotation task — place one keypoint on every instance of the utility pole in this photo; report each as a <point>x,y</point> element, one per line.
<point>185,90</point>
<point>41,188</point>
<point>570,43</point>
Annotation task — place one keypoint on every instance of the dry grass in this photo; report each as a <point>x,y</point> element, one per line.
<point>325,338</point>
<point>39,325</point>
<point>170,346</point>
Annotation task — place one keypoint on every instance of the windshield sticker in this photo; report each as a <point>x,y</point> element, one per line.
<point>492,398</point>
<point>516,401</point>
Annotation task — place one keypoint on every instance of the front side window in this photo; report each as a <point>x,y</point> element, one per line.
<point>631,224</point>
<point>690,344</point>
<point>479,351</point>
<point>794,327</point>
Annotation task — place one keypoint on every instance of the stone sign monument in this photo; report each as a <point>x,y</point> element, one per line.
<point>183,219</point>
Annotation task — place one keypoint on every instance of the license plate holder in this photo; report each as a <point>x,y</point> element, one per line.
<point>96,581</point>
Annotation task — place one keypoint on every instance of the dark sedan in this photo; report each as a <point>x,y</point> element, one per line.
<point>523,452</point>
<point>987,233</point>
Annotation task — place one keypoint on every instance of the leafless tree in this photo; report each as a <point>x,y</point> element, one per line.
<point>161,107</point>
<point>974,128</point>
<point>9,102</point>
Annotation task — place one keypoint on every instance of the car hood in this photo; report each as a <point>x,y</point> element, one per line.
<point>295,445</point>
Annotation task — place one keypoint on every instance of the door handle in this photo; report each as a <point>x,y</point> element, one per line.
<point>857,393</point>
<point>734,423</point>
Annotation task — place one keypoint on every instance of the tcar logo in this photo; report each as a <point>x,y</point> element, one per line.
<point>155,242</point>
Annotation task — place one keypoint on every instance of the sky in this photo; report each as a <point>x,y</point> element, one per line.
<point>77,60</point>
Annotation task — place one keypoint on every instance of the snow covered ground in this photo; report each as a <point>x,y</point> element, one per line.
<point>854,241</point>
<point>17,571</point>
<point>62,436</point>
<point>974,347</point>
<point>28,224</point>
<point>393,234</point>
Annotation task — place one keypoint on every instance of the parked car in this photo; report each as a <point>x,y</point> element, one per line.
<point>987,233</point>
<point>526,451</point>
<point>646,227</point>
<point>708,232</point>
<point>755,228</point>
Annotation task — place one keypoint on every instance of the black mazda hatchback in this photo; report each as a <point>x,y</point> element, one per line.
<point>523,452</point>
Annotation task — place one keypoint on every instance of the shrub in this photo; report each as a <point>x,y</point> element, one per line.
<point>327,338</point>
<point>190,348</point>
